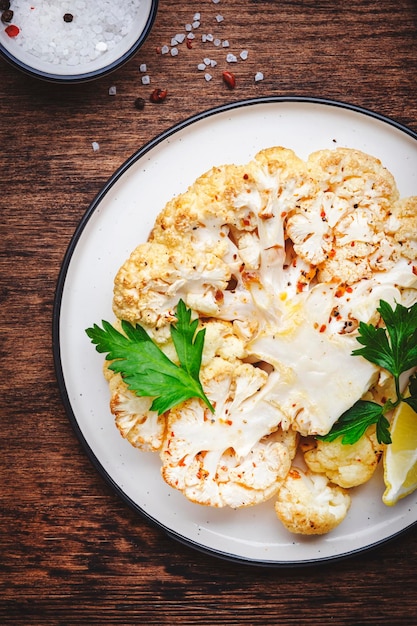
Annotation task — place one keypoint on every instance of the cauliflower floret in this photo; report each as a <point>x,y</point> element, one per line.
<point>308,504</point>
<point>346,465</point>
<point>143,428</point>
<point>404,226</point>
<point>356,176</point>
<point>233,457</point>
<point>221,340</point>
<point>197,217</point>
<point>341,229</point>
<point>150,283</point>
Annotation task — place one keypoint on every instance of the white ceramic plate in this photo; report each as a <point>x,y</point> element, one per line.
<point>116,222</point>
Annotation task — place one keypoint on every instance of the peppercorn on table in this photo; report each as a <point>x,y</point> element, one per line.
<point>72,549</point>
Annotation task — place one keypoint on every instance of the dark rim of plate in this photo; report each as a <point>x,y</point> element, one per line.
<point>57,311</point>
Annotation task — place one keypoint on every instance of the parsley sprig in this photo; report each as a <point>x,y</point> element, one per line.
<point>393,348</point>
<point>146,369</point>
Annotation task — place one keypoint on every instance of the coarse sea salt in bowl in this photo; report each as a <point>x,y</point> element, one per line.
<point>71,41</point>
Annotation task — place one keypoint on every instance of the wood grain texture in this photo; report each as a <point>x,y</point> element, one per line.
<point>70,551</point>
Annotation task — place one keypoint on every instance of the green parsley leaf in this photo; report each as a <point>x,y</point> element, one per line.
<point>412,388</point>
<point>354,422</point>
<point>188,343</point>
<point>393,348</point>
<point>145,368</point>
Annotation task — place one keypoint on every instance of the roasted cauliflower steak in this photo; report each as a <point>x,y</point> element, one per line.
<point>280,259</point>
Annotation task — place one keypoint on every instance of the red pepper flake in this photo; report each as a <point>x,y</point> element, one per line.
<point>12,30</point>
<point>414,270</point>
<point>219,295</point>
<point>189,44</point>
<point>229,422</point>
<point>349,289</point>
<point>300,286</point>
<point>332,253</point>
<point>322,328</point>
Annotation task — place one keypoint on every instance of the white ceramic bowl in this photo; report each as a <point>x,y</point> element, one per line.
<point>14,52</point>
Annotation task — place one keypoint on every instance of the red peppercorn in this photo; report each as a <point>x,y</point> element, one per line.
<point>12,30</point>
<point>189,44</point>
<point>229,79</point>
<point>158,95</point>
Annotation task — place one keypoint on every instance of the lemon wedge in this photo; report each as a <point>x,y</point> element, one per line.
<point>400,457</point>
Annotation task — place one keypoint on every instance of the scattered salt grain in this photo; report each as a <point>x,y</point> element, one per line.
<point>142,67</point>
<point>206,61</point>
<point>190,36</point>
<point>213,63</point>
<point>197,16</point>
<point>208,76</point>
<point>188,27</point>
<point>244,55</point>
<point>174,52</point>
<point>96,28</point>
<point>112,90</point>
<point>201,67</point>
<point>196,24</point>
<point>164,50</point>
<point>225,43</point>
<point>231,58</point>
<point>219,18</point>
<point>258,76</point>
<point>209,37</point>
<point>146,79</point>
<point>215,1</point>
<point>217,42</point>
<point>96,146</point>
<point>179,37</point>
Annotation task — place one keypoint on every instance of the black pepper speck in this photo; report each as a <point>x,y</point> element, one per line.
<point>139,104</point>
<point>7,16</point>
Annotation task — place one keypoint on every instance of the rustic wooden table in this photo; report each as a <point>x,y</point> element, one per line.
<point>71,550</point>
